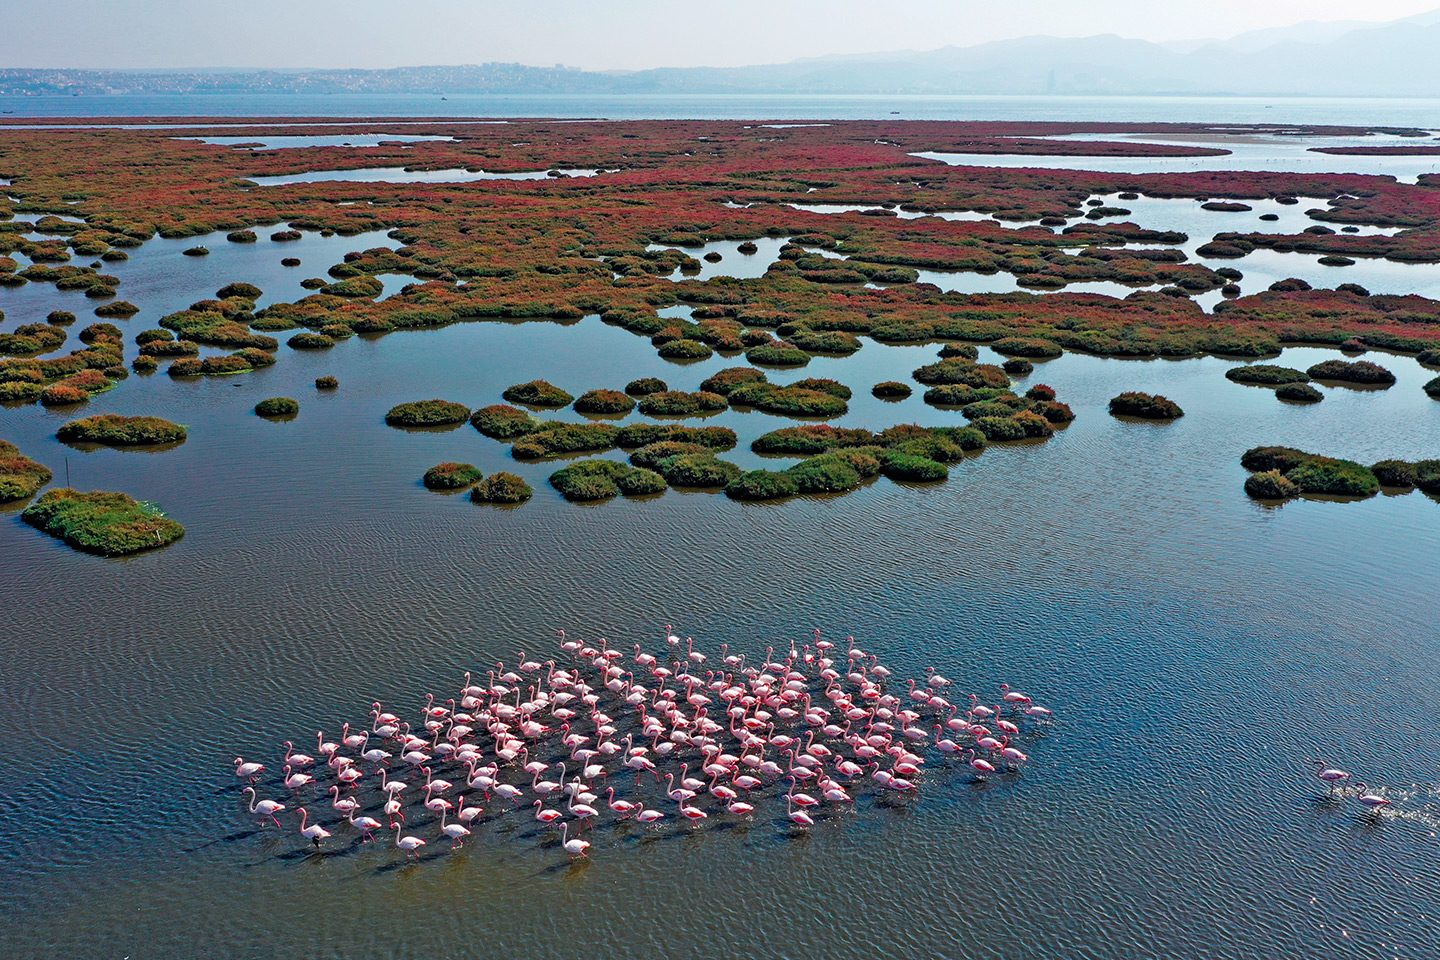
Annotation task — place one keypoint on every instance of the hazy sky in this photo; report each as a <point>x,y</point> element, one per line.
<point>597,34</point>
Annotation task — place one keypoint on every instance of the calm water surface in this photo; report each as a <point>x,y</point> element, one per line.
<point>1196,646</point>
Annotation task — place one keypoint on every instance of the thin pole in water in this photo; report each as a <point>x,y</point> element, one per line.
<point>67,471</point>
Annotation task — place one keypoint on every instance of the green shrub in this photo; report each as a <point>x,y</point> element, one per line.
<point>826,473</point>
<point>277,407</point>
<point>762,485</point>
<point>62,395</point>
<point>652,455</point>
<point>153,336</point>
<point>964,351</point>
<point>241,236</point>
<point>1283,459</point>
<point>1266,374</point>
<point>837,342</point>
<point>20,477</point>
<point>118,431</point>
<point>810,439</point>
<point>245,291</point>
<point>144,364</point>
<point>1270,485</point>
<point>1356,371</point>
<point>110,524</point>
<point>19,390</point>
<point>604,401</point>
<point>502,422</point>
<point>644,434</point>
<point>427,413</point>
<point>1299,393</point>
<point>1018,367</point>
<point>891,390</point>
<point>778,354</point>
<point>451,476</point>
<point>648,385</point>
<point>117,308</point>
<point>789,401</point>
<point>1427,475</point>
<point>1032,347</point>
<point>678,403</point>
<point>697,470</point>
<point>823,385</point>
<point>501,488</point>
<point>913,469</point>
<point>1000,429</point>
<point>170,348</point>
<point>60,318</point>
<point>685,349</point>
<point>958,370</point>
<point>326,383</point>
<point>1432,388</point>
<point>1395,473</point>
<point>310,341</point>
<point>538,393</point>
<point>196,252</point>
<point>1331,476</point>
<point>731,378</point>
<point>1145,406</point>
<point>588,480</point>
<point>640,483</point>
<point>558,439</point>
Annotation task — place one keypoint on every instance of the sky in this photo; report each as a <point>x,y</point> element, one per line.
<point>598,34</point>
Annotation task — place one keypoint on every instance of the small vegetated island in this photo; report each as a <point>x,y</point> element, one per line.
<point>1282,473</point>
<point>20,477</point>
<point>114,430</point>
<point>561,249</point>
<point>108,524</point>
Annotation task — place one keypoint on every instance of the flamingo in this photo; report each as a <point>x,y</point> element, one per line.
<point>314,833</point>
<point>575,847</point>
<point>346,805</point>
<point>621,807</point>
<point>266,808</point>
<point>981,766</point>
<point>1330,775</point>
<point>649,816</point>
<point>248,771</point>
<point>454,831</point>
<point>1373,801</point>
<point>367,825</point>
<point>545,815</point>
<point>408,844</point>
<point>799,817</point>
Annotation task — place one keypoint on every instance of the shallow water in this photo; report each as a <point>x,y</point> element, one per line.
<point>1290,154</point>
<point>401,175</point>
<point>337,140</point>
<point>1196,646</point>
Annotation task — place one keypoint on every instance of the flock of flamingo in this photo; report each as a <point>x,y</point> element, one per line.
<point>1336,779</point>
<point>600,732</point>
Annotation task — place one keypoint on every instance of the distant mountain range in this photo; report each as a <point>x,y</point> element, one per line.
<point>1349,58</point>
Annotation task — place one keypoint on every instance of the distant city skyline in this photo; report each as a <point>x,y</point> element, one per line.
<point>640,34</point>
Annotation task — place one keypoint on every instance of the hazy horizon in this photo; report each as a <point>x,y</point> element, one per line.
<point>265,34</point>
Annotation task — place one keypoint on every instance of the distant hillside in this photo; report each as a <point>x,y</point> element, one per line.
<point>1387,60</point>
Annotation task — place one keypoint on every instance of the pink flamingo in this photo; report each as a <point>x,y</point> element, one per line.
<point>408,844</point>
<point>575,847</point>
<point>266,808</point>
<point>314,833</point>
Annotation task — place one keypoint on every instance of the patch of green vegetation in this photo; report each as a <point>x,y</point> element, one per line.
<point>1034,348</point>
<point>123,309</point>
<point>241,236</point>
<point>1266,375</point>
<point>913,469</point>
<point>891,390</point>
<point>645,386</point>
<point>1310,473</point>
<point>960,371</point>
<point>1270,485</point>
<point>326,383</point>
<point>1432,388</point>
<point>702,470</point>
<point>791,401</point>
<point>427,413</point>
<point>564,438</point>
<point>686,349</point>
<point>277,407</point>
<point>1018,367</point>
<point>20,477</point>
<point>1145,406</point>
<point>1348,371</point>
<point>678,403</point>
<point>501,487</point>
<point>778,354</point>
<point>587,480</point>
<point>964,351</point>
<point>114,430</point>
<point>538,393</point>
<point>644,434</point>
<point>1299,393</point>
<point>310,341</point>
<point>604,402</point>
<point>762,485</point>
<point>197,252</point>
<point>503,422</point>
<point>109,524</point>
<point>732,378</point>
<point>452,476</point>
<point>1395,473</point>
